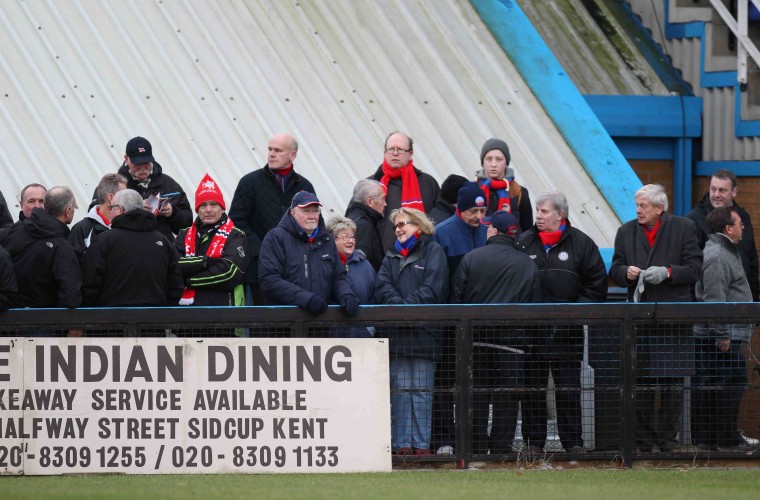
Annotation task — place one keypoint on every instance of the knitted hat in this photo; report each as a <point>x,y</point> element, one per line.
<point>504,222</point>
<point>450,187</point>
<point>470,195</point>
<point>492,144</point>
<point>208,191</point>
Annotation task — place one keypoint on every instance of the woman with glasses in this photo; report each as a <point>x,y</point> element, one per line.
<point>361,274</point>
<point>413,272</point>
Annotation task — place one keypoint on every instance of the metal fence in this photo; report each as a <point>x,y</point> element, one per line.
<point>501,382</point>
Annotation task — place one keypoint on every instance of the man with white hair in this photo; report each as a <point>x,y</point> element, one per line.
<point>132,264</point>
<point>657,258</point>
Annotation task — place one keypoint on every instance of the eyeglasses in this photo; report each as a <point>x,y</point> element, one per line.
<point>740,224</point>
<point>396,150</point>
<point>402,223</point>
<point>111,207</point>
<point>345,237</point>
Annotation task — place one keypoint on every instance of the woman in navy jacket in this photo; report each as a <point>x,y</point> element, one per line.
<point>413,272</point>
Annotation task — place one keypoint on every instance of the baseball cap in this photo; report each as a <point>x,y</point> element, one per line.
<point>504,222</point>
<point>304,199</point>
<point>139,150</point>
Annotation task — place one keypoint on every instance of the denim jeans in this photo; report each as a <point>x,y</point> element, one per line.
<point>412,382</point>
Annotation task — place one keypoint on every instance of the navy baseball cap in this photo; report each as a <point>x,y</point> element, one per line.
<point>504,222</point>
<point>304,199</point>
<point>139,150</point>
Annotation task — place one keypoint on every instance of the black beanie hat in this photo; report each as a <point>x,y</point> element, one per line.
<point>450,187</point>
<point>470,195</point>
<point>492,144</point>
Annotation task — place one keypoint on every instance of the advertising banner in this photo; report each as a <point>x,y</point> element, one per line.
<point>196,405</point>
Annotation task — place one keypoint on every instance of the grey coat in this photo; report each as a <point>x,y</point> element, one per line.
<point>661,350</point>
<point>723,280</point>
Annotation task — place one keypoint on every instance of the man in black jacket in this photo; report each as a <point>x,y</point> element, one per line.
<point>146,176</point>
<point>366,210</point>
<point>6,220</point>
<point>132,264</point>
<point>262,197</point>
<point>47,269</point>
<point>97,219</point>
<point>497,273</point>
<point>572,270</point>
<point>723,194</point>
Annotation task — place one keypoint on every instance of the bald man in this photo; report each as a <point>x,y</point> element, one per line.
<point>263,196</point>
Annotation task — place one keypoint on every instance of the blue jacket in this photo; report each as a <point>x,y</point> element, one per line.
<point>292,270</point>
<point>361,275</point>
<point>457,238</point>
<point>420,278</point>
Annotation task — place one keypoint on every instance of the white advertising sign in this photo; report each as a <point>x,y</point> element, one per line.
<point>166,406</point>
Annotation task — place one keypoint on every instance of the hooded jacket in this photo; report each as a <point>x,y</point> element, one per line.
<point>8,288</point>
<point>132,264</point>
<point>259,204</point>
<point>368,238</point>
<point>47,269</point>
<point>217,282</point>
<point>747,247</point>
<point>159,182</point>
<point>292,270</point>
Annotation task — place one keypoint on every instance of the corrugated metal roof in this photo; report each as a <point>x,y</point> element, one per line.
<point>208,82</point>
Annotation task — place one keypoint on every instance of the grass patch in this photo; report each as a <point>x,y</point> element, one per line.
<point>688,484</point>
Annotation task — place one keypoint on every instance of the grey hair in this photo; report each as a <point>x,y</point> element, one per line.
<point>129,199</point>
<point>366,188</point>
<point>109,184</point>
<point>556,199</point>
<point>654,194</point>
<point>340,223</point>
<point>58,199</point>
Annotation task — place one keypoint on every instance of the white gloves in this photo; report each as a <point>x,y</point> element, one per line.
<point>655,275</point>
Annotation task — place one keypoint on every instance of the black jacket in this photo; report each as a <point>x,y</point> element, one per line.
<point>47,268</point>
<point>420,278</point>
<point>6,220</point>
<point>292,270</point>
<point>132,264</point>
<point>441,211</point>
<point>747,248</point>
<point>572,270</point>
<point>182,215</point>
<point>84,232</point>
<point>368,237</point>
<point>258,206</point>
<point>217,282</point>
<point>8,288</point>
<point>429,190</point>
<point>498,273</point>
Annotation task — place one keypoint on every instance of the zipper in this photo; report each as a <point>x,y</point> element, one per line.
<point>306,266</point>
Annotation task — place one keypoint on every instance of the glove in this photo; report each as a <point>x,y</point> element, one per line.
<point>316,305</point>
<point>350,304</point>
<point>655,275</point>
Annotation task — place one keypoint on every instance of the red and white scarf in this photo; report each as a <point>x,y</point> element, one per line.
<point>410,185</point>
<point>214,251</point>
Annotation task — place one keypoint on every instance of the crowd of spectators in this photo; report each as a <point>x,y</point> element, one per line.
<point>405,240</point>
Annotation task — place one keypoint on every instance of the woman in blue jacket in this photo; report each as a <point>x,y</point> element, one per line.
<point>413,272</point>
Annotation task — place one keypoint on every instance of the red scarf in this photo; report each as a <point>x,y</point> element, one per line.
<point>105,220</point>
<point>652,233</point>
<point>410,185</point>
<point>551,238</point>
<point>343,258</point>
<point>502,191</point>
<point>214,251</point>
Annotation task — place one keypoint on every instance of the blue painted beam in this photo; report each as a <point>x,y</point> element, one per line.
<point>739,168</point>
<point>648,116</point>
<point>563,103</point>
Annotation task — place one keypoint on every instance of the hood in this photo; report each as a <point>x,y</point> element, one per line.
<point>94,215</point>
<point>361,208</point>
<point>124,170</point>
<point>508,174</point>
<point>135,220</point>
<point>43,225</point>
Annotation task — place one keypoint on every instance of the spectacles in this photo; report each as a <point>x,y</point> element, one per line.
<point>396,150</point>
<point>740,224</point>
<point>111,207</point>
<point>402,223</point>
<point>345,237</point>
